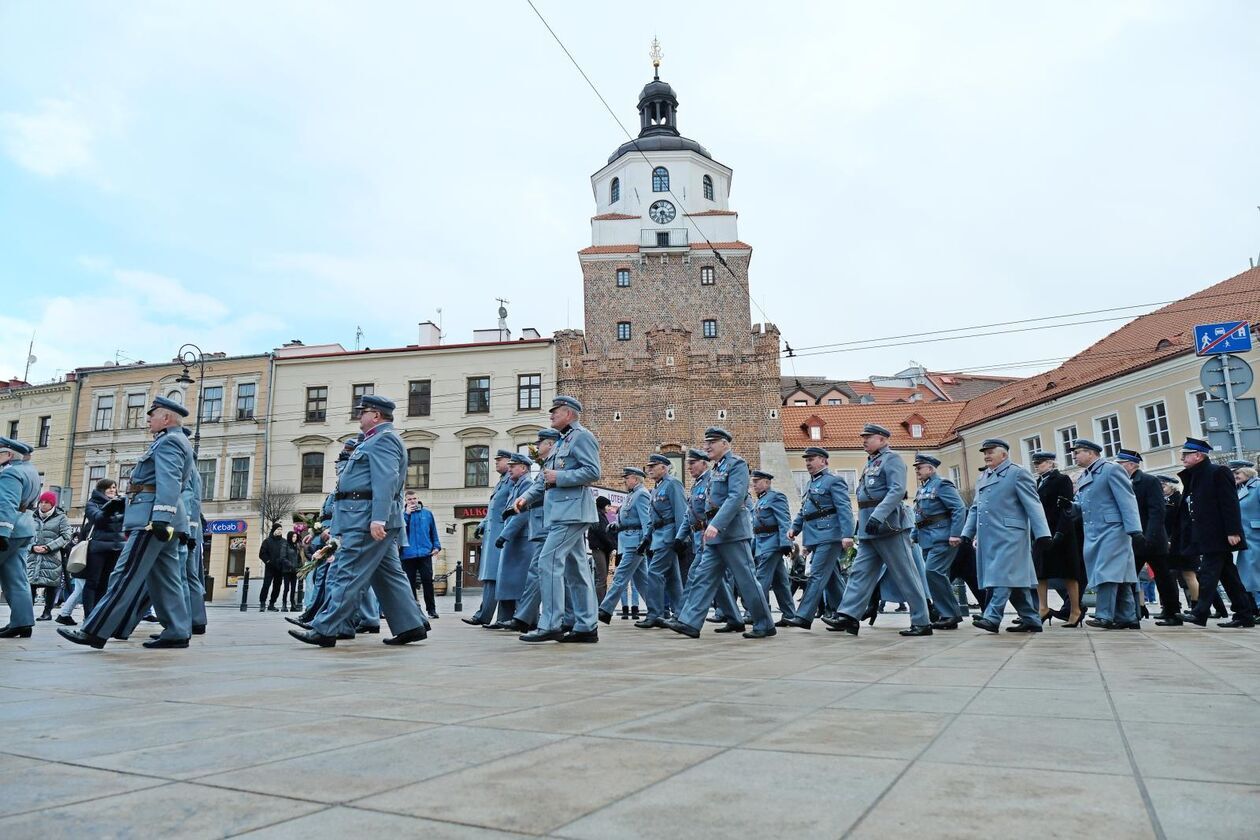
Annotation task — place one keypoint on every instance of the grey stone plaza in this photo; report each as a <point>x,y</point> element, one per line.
<point>1071,733</point>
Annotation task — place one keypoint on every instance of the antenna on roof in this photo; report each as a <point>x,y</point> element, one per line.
<point>358,337</point>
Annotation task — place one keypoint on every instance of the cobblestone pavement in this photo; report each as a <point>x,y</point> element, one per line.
<point>1071,733</point>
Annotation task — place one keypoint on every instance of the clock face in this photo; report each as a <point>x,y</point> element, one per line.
<point>661,212</point>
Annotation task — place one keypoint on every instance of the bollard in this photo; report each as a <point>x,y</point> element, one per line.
<point>459,587</point>
<point>245,590</point>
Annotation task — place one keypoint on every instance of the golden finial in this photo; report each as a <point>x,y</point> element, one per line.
<point>656,55</point>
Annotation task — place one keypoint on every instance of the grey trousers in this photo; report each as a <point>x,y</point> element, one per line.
<point>875,554</point>
<point>15,583</point>
<point>716,559</point>
<point>362,562</point>
<point>1021,597</point>
<point>772,576</point>
<point>146,567</point>
<point>631,568</point>
<point>1116,603</point>
<point>822,571</point>
<point>938,558</point>
<point>563,570</point>
<point>665,582</point>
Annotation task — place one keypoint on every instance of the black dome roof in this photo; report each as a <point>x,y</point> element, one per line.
<point>658,109</point>
<point>659,143</point>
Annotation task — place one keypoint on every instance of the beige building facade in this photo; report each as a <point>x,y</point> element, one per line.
<point>456,405</point>
<point>40,415</point>
<point>109,433</point>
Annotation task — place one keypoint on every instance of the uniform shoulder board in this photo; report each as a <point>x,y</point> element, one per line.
<point>947,481</point>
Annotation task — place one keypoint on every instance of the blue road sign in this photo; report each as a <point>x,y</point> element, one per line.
<point>1229,337</point>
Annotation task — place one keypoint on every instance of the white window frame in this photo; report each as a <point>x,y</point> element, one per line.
<point>1063,445</point>
<point>96,411</point>
<point>1145,428</point>
<point>815,432</point>
<point>236,397</point>
<point>212,486</point>
<point>916,430</point>
<point>1196,414</point>
<point>955,475</point>
<point>1109,450</point>
<point>1028,447</point>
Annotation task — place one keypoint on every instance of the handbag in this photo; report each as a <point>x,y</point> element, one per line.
<point>77,561</point>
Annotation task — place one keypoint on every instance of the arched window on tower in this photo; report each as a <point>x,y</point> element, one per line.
<point>708,187</point>
<point>614,191</point>
<point>660,179</point>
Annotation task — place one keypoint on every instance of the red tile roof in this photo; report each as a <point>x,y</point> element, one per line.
<point>843,423</point>
<point>634,249</point>
<point>609,249</point>
<point>609,217</point>
<point>891,394</point>
<point>714,213</point>
<point>1144,341</point>
<point>722,246</point>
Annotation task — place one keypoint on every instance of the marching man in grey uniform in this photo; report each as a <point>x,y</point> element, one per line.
<point>669,507</point>
<point>633,519</point>
<point>527,606</point>
<point>693,527</point>
<point>367,512</point>
<point>1109,513</point>
<point>1007,508</point>
<point>883,539</point>
<point>772,521</point>
<point>568,508</point>
<point>825,522</point>
<point>727,545</point>
<point>939,513</point>
<point>190,552</point>
<point>154,519</point>
<point>19,494</point>
<point>490,529</point>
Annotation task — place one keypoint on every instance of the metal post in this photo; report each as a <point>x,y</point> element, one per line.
<point>245,590</point>
<point>1234,431</point>
<point>459,586</point>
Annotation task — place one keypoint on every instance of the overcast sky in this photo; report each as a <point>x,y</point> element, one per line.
<point>237,174</point>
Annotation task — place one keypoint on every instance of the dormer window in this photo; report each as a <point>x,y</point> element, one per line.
<point>815,432</point>
<point>660,179</point>
<point>708,187</point>
<point>614,191</point>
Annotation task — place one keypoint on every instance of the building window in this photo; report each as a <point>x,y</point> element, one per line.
<point>212,404</point>
<point>1200,411</point>
<point>834,401</point>
<point>418,468</point>
<point>1066,436</point>
<point>623,330</point>
<point>1031,445</point>
<point>135,411</point>
<point>815,432</point>
<point>477,466</point>
<point>708,327</point>
<point>206,468</point>
<point>955,476</point>
<point>708,187</point>
<point>662,241</point>
<point>614,191</point>
<point>1155,416</point>
<point>317,404</point>
<point>176,395</point>
<point>800,402</point>
<point>419,397</point>
<point>124,477</point>
<point>240,479</point>
<point>13,428</point>
<point>623,278</point>
<point>45,430</point>
<point>916,430</point>
<point>312,472</point>
<point>95,474</point>
<point>1109,435</point>
<point>478,396</point>
<point>660,179</point>
<point>357,393</point>
<point>104,417</point>
<point>706,276</point>
<point>245,400</point>
<point>529,391</point>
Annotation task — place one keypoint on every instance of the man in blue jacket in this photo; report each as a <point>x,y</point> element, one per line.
<point>825,521</point>
<point>669,507</point>
<point>772,521</point>
<point>939,513</point>
<point>632,526</point>
<point>423,544</point>
<point>1112,524</point>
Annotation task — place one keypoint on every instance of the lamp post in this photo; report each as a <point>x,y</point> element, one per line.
<point>190,354</point>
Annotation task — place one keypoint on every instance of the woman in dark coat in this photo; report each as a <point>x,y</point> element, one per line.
<point>293,560</point>
<point>1062,558</point>
<point>104,511</point>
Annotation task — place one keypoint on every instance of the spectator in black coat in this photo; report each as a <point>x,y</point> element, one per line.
<point>602,545</point>
<point>289,565</point>
<point>1152,548</point>
<point>104,512</point>
<point>1211,527</point>
<point>272,553</point>
<point>1061,559</point>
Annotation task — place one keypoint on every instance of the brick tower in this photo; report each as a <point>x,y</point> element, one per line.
<point>669,348</point>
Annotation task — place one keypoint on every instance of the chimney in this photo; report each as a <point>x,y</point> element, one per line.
<point>430,334</point>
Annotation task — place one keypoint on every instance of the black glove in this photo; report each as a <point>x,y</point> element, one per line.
<point>500,542</point>
<point>114,505</point>
<point>480,531</point>
<point>1059,538</point>
<point>645,546</point>
<point>613,527</point>
<point>1044,542</point>
<point>509,513</point>
<point>875,526</point>
<point>1139,542</point>
<point>1064,503</point>
<point>162,532</point>
<point>786,551</point>
<point>680,547</point>
<point>4,543</point>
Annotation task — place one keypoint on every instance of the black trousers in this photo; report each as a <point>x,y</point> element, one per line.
<point>1165,583</point>
<point>272,580</point>
<point>100,565</point>
<point>288,591</point>
<point>419,572</point>
<point>1219,565</point>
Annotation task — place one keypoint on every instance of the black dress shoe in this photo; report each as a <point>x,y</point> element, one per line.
<point>305,625</point>
<point>782,622</point>
<point>473,621</point>
<point>1237,622</point>
<point>650,623</point>
<point>415,634</point>
<point>760,634</point>
<point>798,622</point>
<point>917,630</point>
<point>841,623</point>
<point>1220,615</point>
<point>729,628</point>
<point>433,615</point>
<point>166,643</point>
<point>1102,624</point>
<point>76,636</point>
<point>44,617</point>
<point>605,617</point>
<point>516,625</point>
<point>271,608</point>
<point>313,638</point>
<point>151,618</point>
<point>1169,621</point>
<point>682,629</point>
<point>1191,618</point>
<point>1128,625</point>
<point>66,620</point>
<point>498,625</point>
<point>367,628</point>
<point>19,632</point>
<point>946,624</point>
<point>540,635</point>
<point>984,624</point>
<point>1024,627</point>
<point>712,619</point>
<point>582,637</point>
<point>200,629</point>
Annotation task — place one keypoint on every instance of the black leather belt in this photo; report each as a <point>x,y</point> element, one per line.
<point>931,520</point>
<point>818,514</point>
<point>661,523</point>
<point>710,513</point>
<point>766,529</point>
<point>870,503</point>
<point>136,489</point>
<point>353,495</point>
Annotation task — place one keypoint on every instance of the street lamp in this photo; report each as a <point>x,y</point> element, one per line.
<point>188,355</point>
